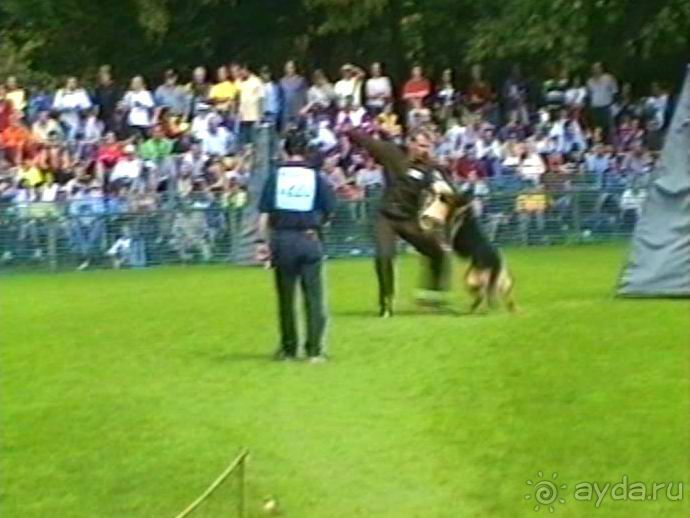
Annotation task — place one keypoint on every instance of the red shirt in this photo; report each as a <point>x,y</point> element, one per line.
<point>417,89</point>
<point>479,93</point>
<point>466,165</point>
<point>6,110</point>
<point>109,155</point>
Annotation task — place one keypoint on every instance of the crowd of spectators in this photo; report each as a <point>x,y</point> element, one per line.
<point>120,149</point>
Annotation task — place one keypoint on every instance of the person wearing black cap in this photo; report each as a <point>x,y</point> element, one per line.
<point>295,202</point>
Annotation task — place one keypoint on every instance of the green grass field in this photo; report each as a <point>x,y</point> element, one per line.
<point>125,393</point>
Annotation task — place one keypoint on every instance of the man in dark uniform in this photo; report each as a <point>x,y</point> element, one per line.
<point>295,202</point>
<point>410,178</point>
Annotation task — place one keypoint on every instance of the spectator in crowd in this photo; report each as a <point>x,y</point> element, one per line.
<point>417,88</point>
<point>388,123</point>
<point>6,108</point>
<point>106,97</point>
<point>469,166</point>
<point>250,108</point>
<point>418,115</point>
<point>15,139</point>
<point>45,128</point>
<point>128,168</point>
<point>576,96</point>
<point>217,140</point>
<point>599,164</point>
<point>172,96</point>
<point>321,95</point>
<point>70,102</point>
<point>446,98</point>
<point>86,223</point>
<point>631,204</point>
<point>513,129</point>
<point>515,95</point>
<point>490,151</point>
<point>324,140</point>
<point>108,155</point>
<point>630,131</point>
<point>223,94</point>
<point>637,164</point>
<point>350,115</point>
<point>199,89</point>
<point>530,207</point>
<point>294,94</point>
<point>139,104</point>
<point>29,173</point>
<point>555,88</point>
<point>602,89</point>
<point>658,105</point>
<point>567,134</point>
<point>40,98</point>
<point>157,148</point>
<point>204,113</point>
<point>480,94</point>
<point>349,85</point>
<point>273,97</point>
<point>195,159</point>
<point>626,105</point>
<point>92,133</point>
<point>16,94</point>
<point>531,165</point>
<point>379,90</point>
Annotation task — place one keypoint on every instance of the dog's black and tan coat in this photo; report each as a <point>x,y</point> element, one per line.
<point>487,279</point>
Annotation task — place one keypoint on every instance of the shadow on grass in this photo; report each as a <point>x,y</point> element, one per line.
<point>403,313</point>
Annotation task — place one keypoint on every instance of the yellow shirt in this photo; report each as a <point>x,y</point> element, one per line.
<point>534,202</point>
<point>389,123</point>
<point>17,98</point>
<point>225,92</point>
<point>32,175</point>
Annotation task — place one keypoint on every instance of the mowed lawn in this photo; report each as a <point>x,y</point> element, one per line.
<point>124,394</point>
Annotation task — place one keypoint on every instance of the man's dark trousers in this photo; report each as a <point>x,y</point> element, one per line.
<point>297,257</point>
<point>429,244</point>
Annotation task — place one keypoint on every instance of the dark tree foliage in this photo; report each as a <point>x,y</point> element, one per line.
<point>641,39</point>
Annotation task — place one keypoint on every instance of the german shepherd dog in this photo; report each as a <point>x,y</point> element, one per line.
<point>487,279</point>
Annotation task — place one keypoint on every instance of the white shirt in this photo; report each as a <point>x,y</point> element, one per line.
<point>196,163</point>
<point>93,130</point>
<point>126,168</point>
<point>321,95</point>
<point>348,88</point>
<point>576,96</point>
<point>69,104</point>
<point>139,105</point>
<point>200,123</point>
<point>491,149</point>
<point>369,177</point>
<point>633,201</point>
<point>218,143</point>
<point>355,117</point>
<point>602,91</point>
<point>378,90</point>
<point>325,139</point>
<point>532,167</point>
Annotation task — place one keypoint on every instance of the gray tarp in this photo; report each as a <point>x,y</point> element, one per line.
<point>659,264</point>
